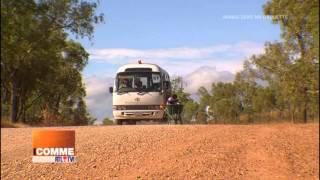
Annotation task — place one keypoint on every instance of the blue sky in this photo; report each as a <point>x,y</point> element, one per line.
<point>179,35</point>
<point>144,24</point>
<point>172,23</point>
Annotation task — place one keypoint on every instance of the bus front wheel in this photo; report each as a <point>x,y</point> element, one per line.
<point>118,121</point>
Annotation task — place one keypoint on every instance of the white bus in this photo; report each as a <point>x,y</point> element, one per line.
<point>139,93</point>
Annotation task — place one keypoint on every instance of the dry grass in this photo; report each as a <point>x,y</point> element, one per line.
<point>6,123</point>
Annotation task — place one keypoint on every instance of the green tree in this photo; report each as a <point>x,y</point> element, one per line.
<point>190,110</point>
<point>33,77</point>
<point>190,106</point>
<point>204,98</point>
<point>201,117</point>
<point>284,79</point>
<point>300,31</point>
<point>178,89</point>
<point>225,102</point>
<point>107,121</point>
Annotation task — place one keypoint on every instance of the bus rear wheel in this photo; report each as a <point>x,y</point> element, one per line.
<point>132,122</point>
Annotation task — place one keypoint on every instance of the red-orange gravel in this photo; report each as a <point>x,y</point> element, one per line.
<point>276,151</point>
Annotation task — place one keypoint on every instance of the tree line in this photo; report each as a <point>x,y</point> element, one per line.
<point>280,84</point>
<point>41,66</point>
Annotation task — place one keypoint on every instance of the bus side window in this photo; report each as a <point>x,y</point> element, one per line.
<point>163,82</point>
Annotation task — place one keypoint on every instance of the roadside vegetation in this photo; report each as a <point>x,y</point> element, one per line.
<point>107,121</point>
<point>282,84</point>
<point>41,66</point>
<point>6,123</point>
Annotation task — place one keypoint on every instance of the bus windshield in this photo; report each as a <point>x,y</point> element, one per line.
<point>138,82</point>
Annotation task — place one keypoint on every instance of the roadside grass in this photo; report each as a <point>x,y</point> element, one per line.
<point>6,123</point>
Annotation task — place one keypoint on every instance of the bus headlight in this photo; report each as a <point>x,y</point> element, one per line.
<point>162,106</point>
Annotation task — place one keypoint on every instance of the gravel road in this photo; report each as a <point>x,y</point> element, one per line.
<point>276,151</point>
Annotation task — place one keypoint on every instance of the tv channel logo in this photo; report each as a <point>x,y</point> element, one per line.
<point>53,146</point>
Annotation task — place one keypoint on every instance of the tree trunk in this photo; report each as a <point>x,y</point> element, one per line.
<point>24,116</point>
<point>301,44</point>
<point>57,105</point>
<point>305,108</point>
<point>292,116</point>
<point>292,112</point>
<point>14,102</point>
<point>305,118</point>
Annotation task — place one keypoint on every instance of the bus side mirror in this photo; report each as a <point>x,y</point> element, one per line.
<point>111,89</point>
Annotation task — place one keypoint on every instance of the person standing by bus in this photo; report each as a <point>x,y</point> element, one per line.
<point>175,109</point>
<point>173,100</point>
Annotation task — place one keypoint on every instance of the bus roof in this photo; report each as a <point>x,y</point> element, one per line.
<point>154,67</point>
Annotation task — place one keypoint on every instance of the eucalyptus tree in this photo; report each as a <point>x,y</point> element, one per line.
<point>33,36</point>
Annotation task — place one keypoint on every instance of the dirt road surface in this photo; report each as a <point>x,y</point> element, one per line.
<point>278,151</point>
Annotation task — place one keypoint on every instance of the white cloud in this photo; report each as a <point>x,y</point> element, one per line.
<point>248,48</point>
<point>205,76</point>
<point>185,67</point>
<point>245,48</point>
<point>183,52</point>
<point>98,99</point>
<point>227,57</point>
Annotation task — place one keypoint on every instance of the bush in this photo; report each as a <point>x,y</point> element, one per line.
<point>107,121</point>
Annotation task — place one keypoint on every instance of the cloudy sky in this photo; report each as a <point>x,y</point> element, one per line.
<point>194,39</point>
